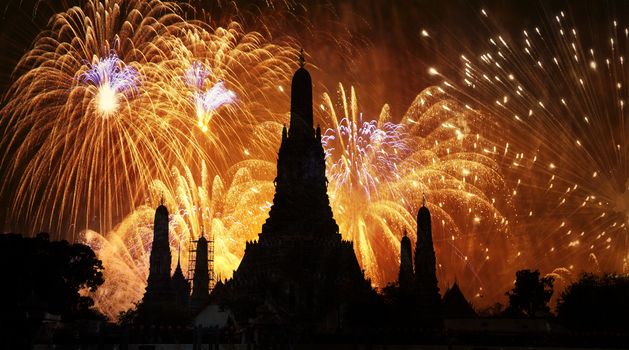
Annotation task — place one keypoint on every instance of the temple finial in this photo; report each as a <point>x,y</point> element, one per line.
<point>161,201</point>
<point>404,232</point>
<point>302,60</point>
<point>423,199</point>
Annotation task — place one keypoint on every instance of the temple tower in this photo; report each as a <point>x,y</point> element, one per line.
<point>158,287</point>
<point>181,286</point>
<point>201,278</point>
<point>300,269</point>
<point>428,298</point>
<point>300,205</point>
<point>406,275</point>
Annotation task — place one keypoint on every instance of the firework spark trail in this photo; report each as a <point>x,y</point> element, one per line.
<point>85,140</point>
<point>111,78</point>
<point>563,133</point>
<point>378,170</point>
<point>108,72</point>
<point>207,102</point>
<point>196,74</point>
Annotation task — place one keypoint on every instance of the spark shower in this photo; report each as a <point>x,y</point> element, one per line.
<point>517,142</point>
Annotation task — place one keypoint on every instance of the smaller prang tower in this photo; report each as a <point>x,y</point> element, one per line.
<point>158,287</point>
<point>201,279</point>
<point>428,300</point>
<point>181,286</point>
<point>406,275</point>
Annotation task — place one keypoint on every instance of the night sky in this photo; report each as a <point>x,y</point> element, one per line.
<point>526,180</point>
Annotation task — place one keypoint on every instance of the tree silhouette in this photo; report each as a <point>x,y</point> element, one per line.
<point>596,303</point>
<point>530,295</point>
<point>46,276</point>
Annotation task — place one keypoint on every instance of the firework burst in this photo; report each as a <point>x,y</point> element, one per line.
<point>563,133</point>
<point>110,98</point>
<point>379,169</point>
<point>112,79</point>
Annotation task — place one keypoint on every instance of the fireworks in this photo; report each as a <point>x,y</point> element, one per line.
<point>111,78</point>
<point>121,102</point>
<point>229,210</point>
<point>209,101</point>
<point>196,74</point>
<point>379,169</point>
<point>563,137</point>
<point>109,99</point>
<point>206,101</point>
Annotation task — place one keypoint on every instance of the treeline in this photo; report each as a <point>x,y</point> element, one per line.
<point>41,280</point>
<point>592,303</point>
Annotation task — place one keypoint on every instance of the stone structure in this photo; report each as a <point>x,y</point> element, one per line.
<point>181,286</point>
<point>427,289</point>
<point>455,305</point>
<point>167,299</point>
<point>299,272</point>
<point>158,286</point>
<point>201,278</point>
<point>418,288</point>
<point>406,275</point>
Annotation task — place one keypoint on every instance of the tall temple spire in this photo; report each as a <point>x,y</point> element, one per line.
<point>428,298</point>
<point>300,265</point>
<point>181,287</point>
<point>158,287</point>
<point>301,101</point>
<point>302,60</point>
<point>201,278</point>
<point>406,275</point>
<point>160,258</point>
<point>301,185</point>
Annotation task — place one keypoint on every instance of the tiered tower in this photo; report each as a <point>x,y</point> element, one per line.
<point>406,275</point>
<point>181,286</point>
<point>428,298</point>
<point>300,267</point>
<point>201,279</point>
<point>158,288</point>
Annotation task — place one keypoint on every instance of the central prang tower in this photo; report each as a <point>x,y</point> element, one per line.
<point>301,205</point>
<point>300,269</point>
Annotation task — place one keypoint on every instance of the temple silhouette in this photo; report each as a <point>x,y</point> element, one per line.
<point>299,278</point>
<point>300,273</point>
<point>418,295</point>
<point>168,299</point>
<point>298,283</point>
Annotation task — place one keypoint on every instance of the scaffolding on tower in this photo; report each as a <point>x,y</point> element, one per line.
<point>192,259</point>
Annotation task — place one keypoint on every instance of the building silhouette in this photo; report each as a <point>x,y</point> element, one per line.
<point>168,299</point>
<point>159,291</point>
<point>418,286</point>
<point>455,305</point>
<point>406,276</point>
<point>201,278</point>
<point>427,289</point>
<point>181,286</point>
<point>300,274</point>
